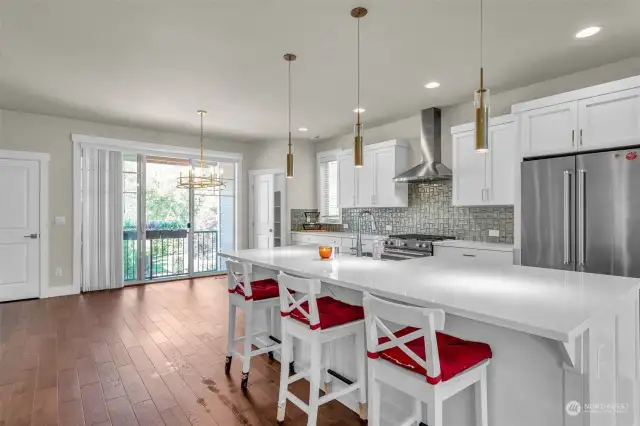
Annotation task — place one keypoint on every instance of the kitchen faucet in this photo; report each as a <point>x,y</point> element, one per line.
<point>359,238</point>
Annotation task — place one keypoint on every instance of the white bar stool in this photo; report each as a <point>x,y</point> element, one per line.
<point>427,365</point>
<point>317,320</point>
<point>252,297</point>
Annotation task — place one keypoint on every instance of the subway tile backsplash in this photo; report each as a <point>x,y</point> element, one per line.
<point>430,212</point>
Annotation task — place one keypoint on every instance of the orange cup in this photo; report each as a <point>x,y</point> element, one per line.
<point>325,252</point>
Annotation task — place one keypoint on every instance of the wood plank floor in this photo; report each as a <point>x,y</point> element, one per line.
<point>144,355</point>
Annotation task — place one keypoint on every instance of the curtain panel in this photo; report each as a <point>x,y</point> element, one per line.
<point>101,189</point>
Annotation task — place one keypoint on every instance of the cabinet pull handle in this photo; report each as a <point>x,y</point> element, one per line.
<point>468,255</point>
<point>573,138</point>
<point>581,137</point>
<point>482,192</point>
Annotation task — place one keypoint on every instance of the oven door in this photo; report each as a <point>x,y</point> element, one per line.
<point>402,255</point>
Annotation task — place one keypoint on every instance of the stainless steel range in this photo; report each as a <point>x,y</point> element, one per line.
<point>410,246</point>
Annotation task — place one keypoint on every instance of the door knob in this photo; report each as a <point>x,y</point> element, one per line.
<point>270,230</point>
<point>32,236</point>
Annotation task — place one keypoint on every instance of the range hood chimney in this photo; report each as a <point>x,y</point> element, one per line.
<point>431,169</point>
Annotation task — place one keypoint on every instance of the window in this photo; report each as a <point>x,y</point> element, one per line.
<point>328,169</point>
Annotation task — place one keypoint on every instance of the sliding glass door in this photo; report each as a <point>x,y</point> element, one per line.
<point>181,230</point>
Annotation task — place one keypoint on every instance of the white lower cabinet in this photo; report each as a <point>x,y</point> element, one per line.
<point>492,257</point>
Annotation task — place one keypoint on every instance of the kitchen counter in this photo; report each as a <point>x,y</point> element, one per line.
<point>552,333</point>
<point>476,245</point>
<point>544,302</point>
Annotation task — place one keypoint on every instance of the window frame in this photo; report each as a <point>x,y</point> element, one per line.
<point>324,157</point>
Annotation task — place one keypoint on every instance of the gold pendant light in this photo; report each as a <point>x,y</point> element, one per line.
<point>290,57</point>
<point>481,100</point>
<point>202,178</point>
<point>358,142</point>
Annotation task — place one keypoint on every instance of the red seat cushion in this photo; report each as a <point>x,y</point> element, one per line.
<point>456,355</point>
<point>261,289</point>
<point>332,313</point>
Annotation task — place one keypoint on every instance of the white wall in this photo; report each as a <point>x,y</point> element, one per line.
<point>409,128</point>
<point>301,190</point>
<point>39,133</point>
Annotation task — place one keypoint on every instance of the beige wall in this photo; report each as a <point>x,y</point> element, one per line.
<point>409,128</point>
<point>301,190</point>
<point>52,135</point>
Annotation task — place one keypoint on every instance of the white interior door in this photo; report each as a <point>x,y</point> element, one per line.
<point>263,211</point>
<point>19,229</point>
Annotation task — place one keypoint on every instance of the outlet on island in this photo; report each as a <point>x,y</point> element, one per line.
<point>494,232</point>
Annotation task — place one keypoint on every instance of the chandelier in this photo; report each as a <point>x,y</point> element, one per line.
<point>202,177</point>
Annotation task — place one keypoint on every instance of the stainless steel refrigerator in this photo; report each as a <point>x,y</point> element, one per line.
<point>582,212</point>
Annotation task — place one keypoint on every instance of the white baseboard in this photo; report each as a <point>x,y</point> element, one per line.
<point>58,291</point>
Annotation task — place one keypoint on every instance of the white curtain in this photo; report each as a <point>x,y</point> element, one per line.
<point>102,265</point>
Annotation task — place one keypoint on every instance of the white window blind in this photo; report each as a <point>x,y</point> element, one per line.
<point>329,190</point>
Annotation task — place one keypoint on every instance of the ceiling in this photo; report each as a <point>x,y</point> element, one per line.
<point>153,63</point>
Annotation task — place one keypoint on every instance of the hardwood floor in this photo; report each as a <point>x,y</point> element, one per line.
<point>145,355</point>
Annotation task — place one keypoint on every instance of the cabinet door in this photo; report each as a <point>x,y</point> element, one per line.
<point>611,120</point>
<point>550,130</point>
<point>602,368</point>
<point>468,171</point>
<point>346,181</point>
<point>384,171</point>
<point>365,194</point>
<point>501,164</point>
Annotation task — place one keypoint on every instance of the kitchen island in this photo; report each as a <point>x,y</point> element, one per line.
<point>556,336</point>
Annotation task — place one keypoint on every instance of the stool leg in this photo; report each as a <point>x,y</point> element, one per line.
<point>374,398</point>
<point>230,337</point>
<point>271,322</point>
<point>314,381</point>
<point>248,340</point>
<point>361,359</point>
<point>285,357</point>
<point>326,359</point>
<point>482,418</point>
<point>434,411</point>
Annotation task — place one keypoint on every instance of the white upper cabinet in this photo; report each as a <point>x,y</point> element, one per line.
<point>551,130</point>
<point>599,117</point>
<point>346,180</point>
<point>373,185</point>
<point>484,178</point>
<point>610,120</point>
<point>469,169</point>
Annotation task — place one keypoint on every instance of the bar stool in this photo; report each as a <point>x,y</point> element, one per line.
<point>252,297</point>
<point>420,361</point>
<point>317,319</point>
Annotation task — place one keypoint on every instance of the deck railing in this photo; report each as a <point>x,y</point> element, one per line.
<point>167,253</point>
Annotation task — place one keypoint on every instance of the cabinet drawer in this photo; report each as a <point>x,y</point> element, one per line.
<point>486,256</point>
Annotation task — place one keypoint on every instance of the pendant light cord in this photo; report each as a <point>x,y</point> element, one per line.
<point>201,140</point>
<point>289,107</point>
<point>481,44</point>
<point>358,60</point>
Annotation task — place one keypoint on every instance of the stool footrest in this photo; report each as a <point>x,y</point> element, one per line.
<point>298,402</point>
<point>301,375</point>
<point>338,394</point>
<point>265,350</point>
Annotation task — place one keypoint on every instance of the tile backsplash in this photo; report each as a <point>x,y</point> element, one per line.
<point>430,212</point>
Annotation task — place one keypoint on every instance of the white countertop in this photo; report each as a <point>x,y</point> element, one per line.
<point>545,302</point>
<point>340,234</point>
<point>476,245</point>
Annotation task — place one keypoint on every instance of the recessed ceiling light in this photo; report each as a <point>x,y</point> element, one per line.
<point>432,85</point>
<point>359,110</point>
<point>303,129</point>
<point>588,32</point>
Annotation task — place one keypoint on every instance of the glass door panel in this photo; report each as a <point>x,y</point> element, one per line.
<point>227,222</point>
<point>167,211</point>
<point>130,175</point>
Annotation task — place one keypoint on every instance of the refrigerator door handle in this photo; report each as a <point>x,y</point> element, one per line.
<point>581,218</point>
<point>567,217</point>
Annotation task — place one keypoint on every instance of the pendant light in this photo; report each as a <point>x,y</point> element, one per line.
<point>202,178</point>
<point>481,100</point>
<point>358,143</point>
<point>290,57</point>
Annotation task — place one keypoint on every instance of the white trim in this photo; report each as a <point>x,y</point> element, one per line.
<point>576,95</point>
<point>43,162</point>
<point>493,121</point>
<point>285,215</point>
<point>152,148</point>
<point>333,153</point>
<point>77,219</point>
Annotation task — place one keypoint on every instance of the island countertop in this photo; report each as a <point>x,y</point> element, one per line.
<point>558,305</point>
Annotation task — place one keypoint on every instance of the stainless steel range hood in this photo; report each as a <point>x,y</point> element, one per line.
<point>431,169</point>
